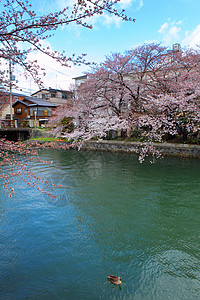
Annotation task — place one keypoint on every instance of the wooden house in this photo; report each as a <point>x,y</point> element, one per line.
<point>33,112</point>
<point>5,110</point>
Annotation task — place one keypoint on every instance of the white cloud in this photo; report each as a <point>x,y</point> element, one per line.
<point>109,20</point>
<point>174,30</point>
<point>126,3</point>
<point>170,31</point>
<point>163,27</point>
<point>123,3</point>
<point>63,3</point>
<point>57,76</point>
<point>140,4</point>
<point>192,38</point>
<point>145,42</point>
<point>106,19</point>
<point>112,19</point>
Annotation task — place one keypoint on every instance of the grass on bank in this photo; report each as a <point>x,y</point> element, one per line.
<point>47,139</point>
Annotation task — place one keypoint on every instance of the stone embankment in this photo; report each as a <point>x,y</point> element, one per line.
<point>166,149</point>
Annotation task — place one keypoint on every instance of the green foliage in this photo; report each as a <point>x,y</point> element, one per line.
<point>135,134</point>
<point>66,120</point>
<point>68,125</point>
<point>45,139</point>
<point>95,138</point>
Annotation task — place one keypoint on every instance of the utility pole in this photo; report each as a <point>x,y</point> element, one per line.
<point>30,87</point>
<point>10,73</point>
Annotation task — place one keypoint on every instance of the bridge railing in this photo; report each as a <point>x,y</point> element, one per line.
<point>14,123</point>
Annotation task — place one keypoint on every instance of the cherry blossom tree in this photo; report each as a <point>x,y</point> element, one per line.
<point>150,88</point>
<point>82,121</point>
<point>175,103</point>
<point>125,80</point>
<point>20,24</point>
<point>22,31</point>
<point>15,159</point>
<point>117,88</point>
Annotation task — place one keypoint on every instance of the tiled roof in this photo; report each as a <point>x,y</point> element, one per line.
<point>40,101</point>
<point>20,101</point>
<point>35,102</point>
<point>13,94</point>
<point>51,90</point>
<point>80,77</point>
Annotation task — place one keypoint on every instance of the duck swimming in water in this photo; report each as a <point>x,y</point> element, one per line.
<point>114,279</point>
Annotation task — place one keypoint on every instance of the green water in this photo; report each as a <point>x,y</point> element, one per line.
<point>113,215</point>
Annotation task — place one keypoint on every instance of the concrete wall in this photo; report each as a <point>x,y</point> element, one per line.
<point>6,111</point>
<point>166,149</point>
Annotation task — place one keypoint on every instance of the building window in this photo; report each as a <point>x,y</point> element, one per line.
<point>64,96</point>
<point>33,111</point>
<point>53,95</point>
<point>18,110</point>
<point>44,112</point>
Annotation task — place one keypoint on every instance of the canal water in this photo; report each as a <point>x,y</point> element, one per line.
<point>112,215</point>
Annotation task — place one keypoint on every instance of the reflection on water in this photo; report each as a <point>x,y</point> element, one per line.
<point>111,216</point>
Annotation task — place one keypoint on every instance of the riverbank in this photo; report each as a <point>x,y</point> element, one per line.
<point>166,149</point>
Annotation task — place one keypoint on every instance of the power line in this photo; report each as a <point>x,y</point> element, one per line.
<point>17,69</point>
<point>24,89</point>
<point>56,71</point>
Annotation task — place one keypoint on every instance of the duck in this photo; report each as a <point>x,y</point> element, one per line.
<point>114,279</point>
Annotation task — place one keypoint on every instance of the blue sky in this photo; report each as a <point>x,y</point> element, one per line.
<point>168,22</point>
<point>163,21</point>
